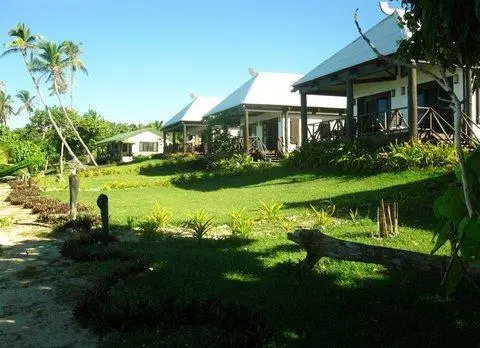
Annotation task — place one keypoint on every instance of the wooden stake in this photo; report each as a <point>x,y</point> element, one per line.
<point>74,185</point>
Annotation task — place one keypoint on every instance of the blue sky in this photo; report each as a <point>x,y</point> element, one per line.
<point>145,57</point>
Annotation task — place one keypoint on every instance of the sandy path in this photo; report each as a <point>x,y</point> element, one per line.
<point>31,270</point>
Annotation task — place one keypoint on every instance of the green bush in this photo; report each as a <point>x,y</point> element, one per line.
<point>240,223</point>
<point>356,156</point>
<point>323,216</point>
<point>148,229</point>
<point>26,150</point>
<point>161,216</point>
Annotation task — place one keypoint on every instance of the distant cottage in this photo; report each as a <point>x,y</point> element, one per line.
<point>125,147</point>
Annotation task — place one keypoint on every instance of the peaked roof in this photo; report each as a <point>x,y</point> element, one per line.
<point>385,35</point>
<point>194,111</point>
<point>124,136</point>
<point>273,89</point>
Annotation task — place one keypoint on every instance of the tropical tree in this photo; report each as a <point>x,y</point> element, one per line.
<point>6,107</point>
<point>73,52</point>
<point>24,42</point>
<point>27,102</point>
<point>51,62</point>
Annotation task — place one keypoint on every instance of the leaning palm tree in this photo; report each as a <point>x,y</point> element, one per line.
<point>51,62</point>
<point>6,107</point>
<point>24,42</point>
<point>27,102</point>
<point>73,52</point>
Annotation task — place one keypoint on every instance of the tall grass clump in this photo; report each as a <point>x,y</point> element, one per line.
<point>240,223</point>
<point>323,216</point>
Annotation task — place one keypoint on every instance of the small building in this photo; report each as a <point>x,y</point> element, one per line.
<point>125,147</point>
<point>269,112</point>
<point>386,101</point>
<point>188,123</point>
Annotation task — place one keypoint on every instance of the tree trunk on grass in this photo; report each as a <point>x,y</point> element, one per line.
<point>318,245</point>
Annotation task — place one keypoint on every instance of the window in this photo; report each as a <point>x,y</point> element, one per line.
<point>148,147</point>
<point>294,130</point>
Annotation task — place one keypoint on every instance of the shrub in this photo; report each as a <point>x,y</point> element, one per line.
<point>148,229</point>
<point>270,213</point>
<point>131,222</point>
<point>240,223</point>
<point>200,222</point>
<point>357,156</point>
<point>323,216</point>
<point>5,221</point>
<point>161,216</point>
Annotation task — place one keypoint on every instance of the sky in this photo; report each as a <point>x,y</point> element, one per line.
<point>144,58</point>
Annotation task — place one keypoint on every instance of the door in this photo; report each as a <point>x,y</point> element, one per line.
<point>373,112</point>
<point>270,133</point>
<point>430,95</point>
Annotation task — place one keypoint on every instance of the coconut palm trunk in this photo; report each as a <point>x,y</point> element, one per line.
<point>52,121</point>
<point>55,87</point>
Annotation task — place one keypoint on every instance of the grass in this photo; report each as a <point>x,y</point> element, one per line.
<point>340,304</point>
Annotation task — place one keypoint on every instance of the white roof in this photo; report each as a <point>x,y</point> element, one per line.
<point>275,89</point>
<point>194,111</point>
<point>385,35</point>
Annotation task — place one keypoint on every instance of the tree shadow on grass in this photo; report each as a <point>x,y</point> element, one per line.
<point>334,306</point>
<point>415,201</point>
<point>261,177</point>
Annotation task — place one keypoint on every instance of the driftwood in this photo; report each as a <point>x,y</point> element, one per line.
<point>318,245</point>
<point>102,203</point>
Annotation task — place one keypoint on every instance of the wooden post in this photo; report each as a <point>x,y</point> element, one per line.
<point>304,118</point>
<point>468,100</point>
<point>286,138</point>
<point>102,203</point>
<point>174,141</point>
<point>246,135</point>
<point>412,103</point>
<point>74,185</point>
<point>349,119</point>
<point>164,142</point>
<point>184,138</point>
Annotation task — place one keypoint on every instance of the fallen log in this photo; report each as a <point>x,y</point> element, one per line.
<point>318,245</point>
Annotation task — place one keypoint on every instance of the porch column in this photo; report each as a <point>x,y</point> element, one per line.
<point>246,135</point>
<point>412,104</point>
<point>184,138</point>
<point>349,119</point>
<point>468,99</point>
<point>304,118</point>
<point>164,141</point>
<point>174,141</point>
<point>286,138</point>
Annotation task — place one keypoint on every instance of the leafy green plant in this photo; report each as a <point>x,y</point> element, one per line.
<point>323,216</point>
<point>131,222</point>
<point>161,216</point>
<point>148,229</point>
<point>287,224</point>
<point>200,222</point>
<point>240,223</point>
<point>270,212</point>
<point>354,215</point>
<point>5,221</point>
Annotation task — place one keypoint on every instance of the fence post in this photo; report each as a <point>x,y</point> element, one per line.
<point>102,203</point>
<point>74,185</point>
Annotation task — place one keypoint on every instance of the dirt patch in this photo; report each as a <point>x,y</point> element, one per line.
<point>31,273</point>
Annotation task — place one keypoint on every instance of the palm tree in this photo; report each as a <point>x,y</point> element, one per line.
<point>6,107</point>
<point>27,101</point>
<point>24,42</point>
<point>51,62</point>
<point>73,52</point>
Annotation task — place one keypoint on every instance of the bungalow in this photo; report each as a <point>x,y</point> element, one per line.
<point>125,147</point>
<point>385,100</point>
<point>269,112</point>
<point>188,122</point>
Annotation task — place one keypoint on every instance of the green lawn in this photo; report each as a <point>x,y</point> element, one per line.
<point>340,304</point>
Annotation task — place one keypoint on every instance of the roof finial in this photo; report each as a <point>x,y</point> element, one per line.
<point>385,8</point>
<point>252,72</point>
<point>193,96</point>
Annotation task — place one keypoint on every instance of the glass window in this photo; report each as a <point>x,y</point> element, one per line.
<point>148,146</point>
